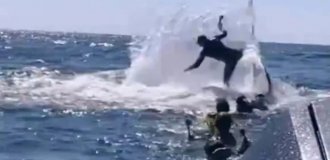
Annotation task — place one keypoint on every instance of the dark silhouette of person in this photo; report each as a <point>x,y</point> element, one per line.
<point>217,50</point>
<point>219,124</point>
<point>243,106</point>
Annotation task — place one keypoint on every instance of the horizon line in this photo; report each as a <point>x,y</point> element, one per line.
<point>117,34</point>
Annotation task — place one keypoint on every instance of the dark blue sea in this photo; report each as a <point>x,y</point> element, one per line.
<point>64,96</point>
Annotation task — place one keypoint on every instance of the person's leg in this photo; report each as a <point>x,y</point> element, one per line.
<point>211,146</point>
<point>229,69</point>
<point>270,85</point>
<point>230,64</point>
<point>228,139</point>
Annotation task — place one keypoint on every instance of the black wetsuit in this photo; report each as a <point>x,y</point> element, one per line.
<point>217,50</point>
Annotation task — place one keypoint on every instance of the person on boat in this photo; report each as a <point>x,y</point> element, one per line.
<point>217,150</point>
<point>220,142</point>
<point>219,123</point>
<point>244,106</point>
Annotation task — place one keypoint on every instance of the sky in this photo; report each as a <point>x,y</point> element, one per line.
<point>294,21</point>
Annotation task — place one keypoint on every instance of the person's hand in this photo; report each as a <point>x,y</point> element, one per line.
<point>188,69</point>
<point>191,137</point>
<point>188,122</point>
<point>221,17</point>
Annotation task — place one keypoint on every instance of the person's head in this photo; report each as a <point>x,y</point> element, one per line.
<point>243,105</point>
<point>222,105</point>
<point>241,100</point>
<point>201,40</point>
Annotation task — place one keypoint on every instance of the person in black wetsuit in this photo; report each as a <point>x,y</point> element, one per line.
<point>220,123</point>
<point>217,50</point>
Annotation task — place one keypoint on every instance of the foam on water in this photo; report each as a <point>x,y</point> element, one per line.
<point>43,87</point>
<point>60,42</point>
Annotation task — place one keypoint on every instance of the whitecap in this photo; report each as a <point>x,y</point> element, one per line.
<point>60,42</point>
<point>105,44</point>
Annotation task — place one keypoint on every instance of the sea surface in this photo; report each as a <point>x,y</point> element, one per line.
<point>64,96</point>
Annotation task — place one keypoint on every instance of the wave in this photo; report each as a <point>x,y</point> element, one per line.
<point>60,42</point>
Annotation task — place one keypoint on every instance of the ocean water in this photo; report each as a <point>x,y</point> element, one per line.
<point>74,96</point>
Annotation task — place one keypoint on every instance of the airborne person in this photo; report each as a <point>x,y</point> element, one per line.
<point>217,50</point>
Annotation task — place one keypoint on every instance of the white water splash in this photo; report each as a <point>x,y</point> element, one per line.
<point>60,42</point>
<point>168,51</point>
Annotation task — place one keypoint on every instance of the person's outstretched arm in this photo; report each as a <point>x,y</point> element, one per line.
<point>197,63</point>
<point>220,25</point>
<point>221,36</point>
